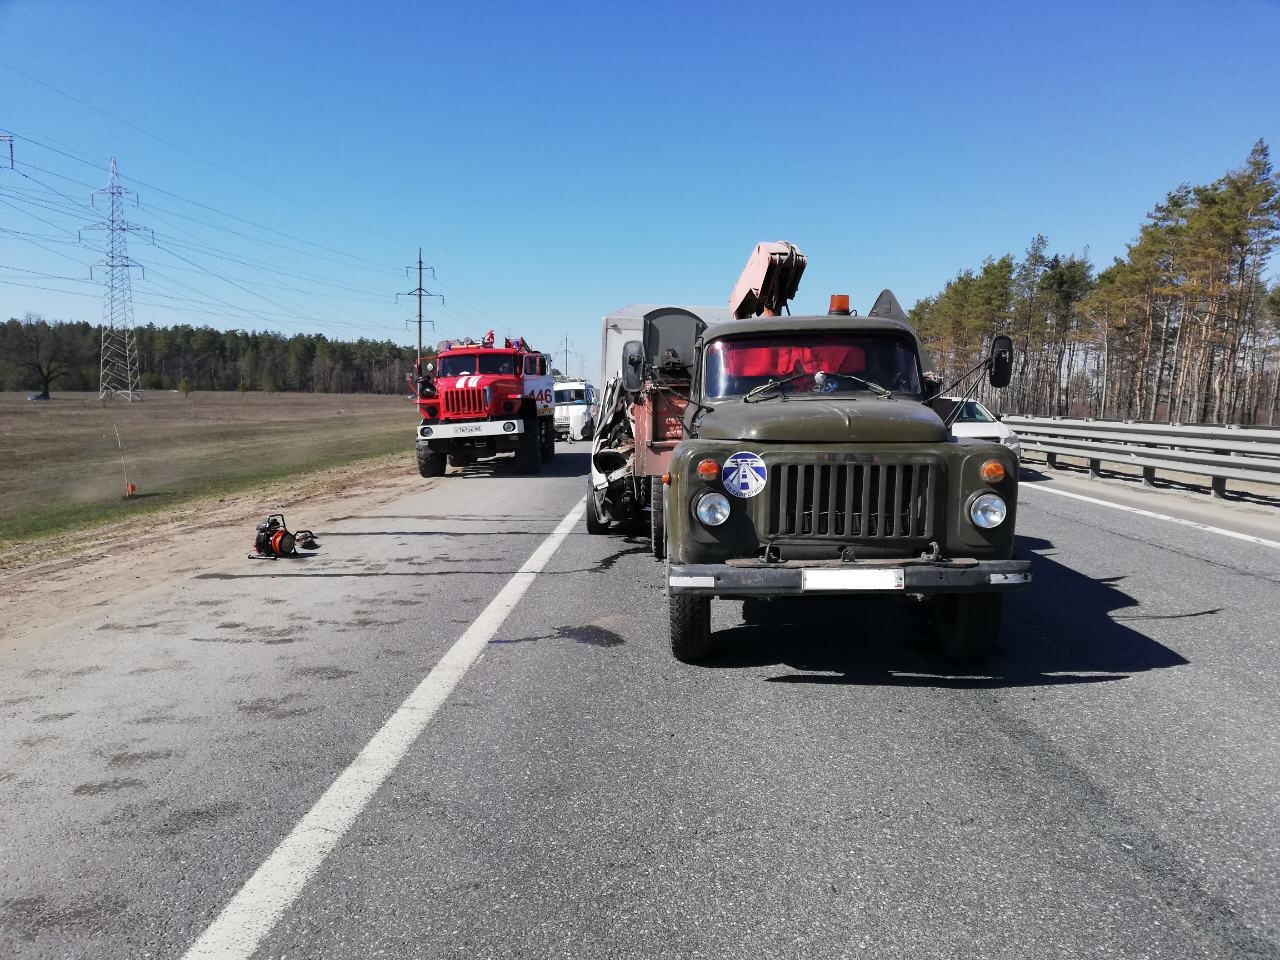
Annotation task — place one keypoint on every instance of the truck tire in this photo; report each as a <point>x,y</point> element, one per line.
<point>548,446</point>
<point>528,449</point>
<point>690,627</point>
<point>596,524</point>
<point>430,463</point>
<point>968,625</point>
<point>657,519</point>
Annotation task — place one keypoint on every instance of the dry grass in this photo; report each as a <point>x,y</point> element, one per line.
<point>61,469</point>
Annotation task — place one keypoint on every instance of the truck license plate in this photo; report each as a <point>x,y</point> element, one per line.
<point>466,428</point>
<point>884,579</point>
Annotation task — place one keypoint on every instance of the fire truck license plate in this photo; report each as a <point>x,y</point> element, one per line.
<point>466,428</point>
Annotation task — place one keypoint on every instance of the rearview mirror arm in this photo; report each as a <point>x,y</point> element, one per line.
<point>955,413</point>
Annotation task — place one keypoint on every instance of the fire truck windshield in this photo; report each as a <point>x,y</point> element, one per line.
<point>465,364</point>
<point>736,366</point>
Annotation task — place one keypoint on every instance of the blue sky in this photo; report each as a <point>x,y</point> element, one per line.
<point>557,161</point>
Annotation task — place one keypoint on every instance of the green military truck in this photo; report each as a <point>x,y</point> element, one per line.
<point>813,465</point>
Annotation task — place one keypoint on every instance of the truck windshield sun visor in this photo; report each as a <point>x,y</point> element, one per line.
<point>849,363</point>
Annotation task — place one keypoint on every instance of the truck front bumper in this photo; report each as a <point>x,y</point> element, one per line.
<point>480,428</point>
<point>751,578</point>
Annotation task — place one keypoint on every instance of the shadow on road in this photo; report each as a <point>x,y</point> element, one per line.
<point>563,464</point>
<point>1062,630</point>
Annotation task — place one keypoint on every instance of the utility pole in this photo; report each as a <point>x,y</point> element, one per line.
<point>118,366</point>
<point>420,292</point>
<point>566,355</point>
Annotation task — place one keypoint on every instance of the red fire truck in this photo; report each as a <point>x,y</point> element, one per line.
<point>478,399</point>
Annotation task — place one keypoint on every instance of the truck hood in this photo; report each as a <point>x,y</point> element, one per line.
<point>865,420</point>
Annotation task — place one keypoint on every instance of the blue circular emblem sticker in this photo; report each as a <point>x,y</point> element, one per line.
<point>744,475</point>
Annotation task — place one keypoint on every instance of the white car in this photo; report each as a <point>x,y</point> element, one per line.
<point>574,400</point>
<point>978,422</point>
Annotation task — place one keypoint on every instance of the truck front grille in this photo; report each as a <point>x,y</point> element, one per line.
<point>464,400</point>
<point>864,500</point>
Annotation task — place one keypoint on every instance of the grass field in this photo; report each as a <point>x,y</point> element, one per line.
<point>60,466</point>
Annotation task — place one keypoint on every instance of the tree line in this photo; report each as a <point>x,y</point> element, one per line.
<point>38,355</point>
<point>1184,328</point>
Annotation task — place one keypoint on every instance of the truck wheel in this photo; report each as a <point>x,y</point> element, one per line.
<point>690,627</point>
<point>596,524</point>
<point>528,457</point>
<point>968,625</point>
<point>548,449</point>
<point>430,463</point>
<point>657,519</point>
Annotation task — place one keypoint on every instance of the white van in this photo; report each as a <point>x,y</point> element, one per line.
<point>574,402</point>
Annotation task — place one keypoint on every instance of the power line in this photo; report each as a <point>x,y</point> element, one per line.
<point>350,261</point>
<point>382,267</point>
<point>190,153</point>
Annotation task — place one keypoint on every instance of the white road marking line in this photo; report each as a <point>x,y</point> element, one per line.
<point>243,924</point>
<point>1158,516</point>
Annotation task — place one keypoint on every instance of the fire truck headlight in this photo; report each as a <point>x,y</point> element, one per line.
<point>509,426</point>
<point>988,510</point>
<point>424,431</point>
<point>711,509</point>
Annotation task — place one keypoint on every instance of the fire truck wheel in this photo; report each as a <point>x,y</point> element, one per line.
<point>430,463</point>
<point>548,449</point>
<point>595,523</point>
<point>968,625</point>
<point>528,455</point>
<point>657,519</point>
<point>690,627</point>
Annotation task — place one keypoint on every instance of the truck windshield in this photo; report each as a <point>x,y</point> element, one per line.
<point>465,364</point>
<point>571,396</point>
<point>736,366</point>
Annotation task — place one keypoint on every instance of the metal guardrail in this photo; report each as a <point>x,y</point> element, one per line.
<point>1220,453</point>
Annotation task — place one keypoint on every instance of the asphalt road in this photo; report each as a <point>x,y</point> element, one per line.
<point>1107,787</point>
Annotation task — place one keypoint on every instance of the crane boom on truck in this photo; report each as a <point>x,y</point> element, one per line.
<point>769,281</point>
<point>477,400</point>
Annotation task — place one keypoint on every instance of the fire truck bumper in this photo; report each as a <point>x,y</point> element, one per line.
<point>485,428</point>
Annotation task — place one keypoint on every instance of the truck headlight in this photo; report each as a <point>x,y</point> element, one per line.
<point>424,431</point>
<point>1012,441</point>
<point>988,510</point>
<point>711,509</point>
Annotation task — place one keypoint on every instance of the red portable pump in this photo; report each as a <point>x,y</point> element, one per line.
<point>273,540</point>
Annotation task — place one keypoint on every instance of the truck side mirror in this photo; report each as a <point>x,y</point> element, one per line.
<point>1001,369</point>
<point>632,366</point>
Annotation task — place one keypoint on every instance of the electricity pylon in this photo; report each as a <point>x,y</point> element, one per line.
<point>118,368</point>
